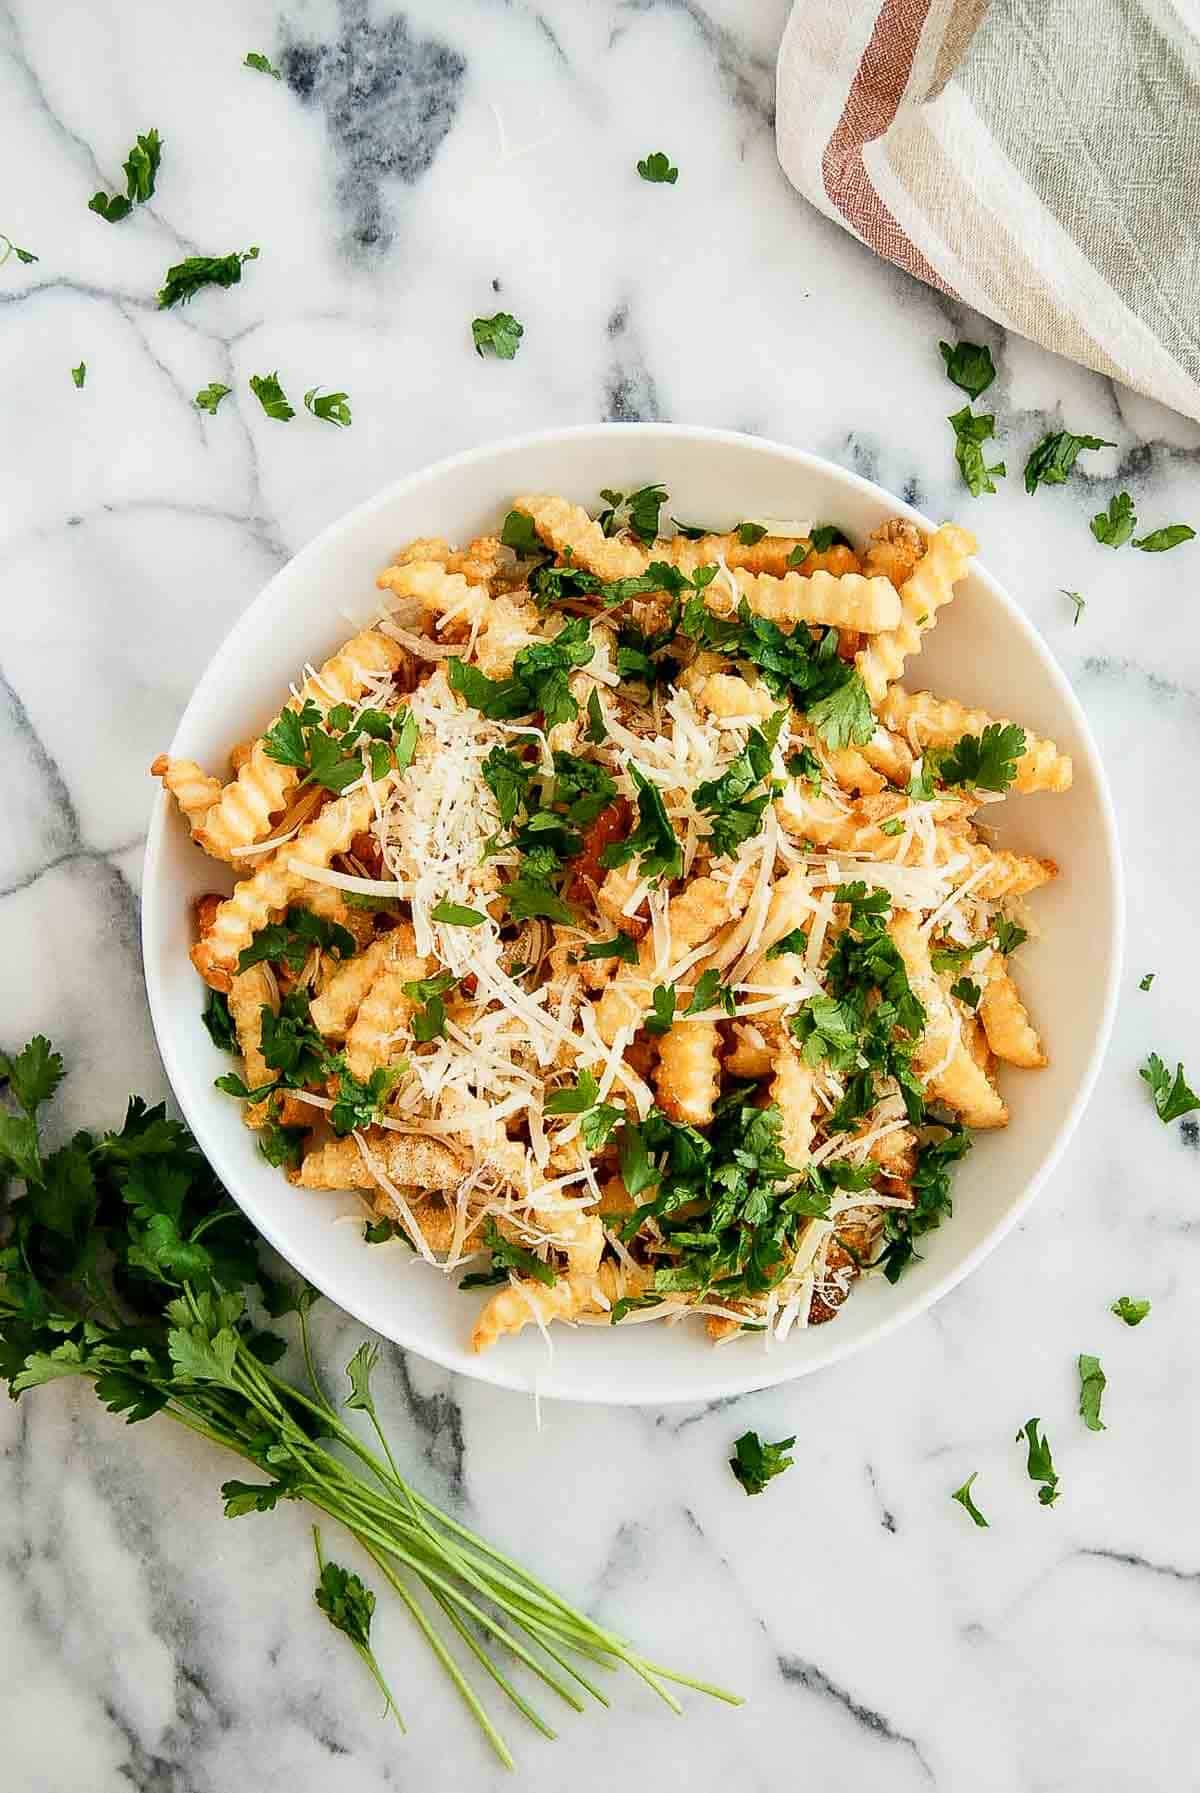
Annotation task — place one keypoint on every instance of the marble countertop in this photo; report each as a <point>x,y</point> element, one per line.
<point>414,169</point>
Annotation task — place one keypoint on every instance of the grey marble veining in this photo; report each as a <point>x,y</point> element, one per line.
<point>417,166</point>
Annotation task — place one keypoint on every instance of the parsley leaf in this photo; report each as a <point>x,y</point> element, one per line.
<point>256,60</point>
<point>796,941</point>
<point>755,1463</point>
<point>654,841</point>
<point>949,958</point>
<point>931,1205</point>
<point>1172,1098</point>
<point>209,397</point>
<point>79,374</point>
<point>597,729</point>
<point>529,895</point>
<point>662,1016</point>
<point>734,817</point>
<point>141,171</point>
<point>292,941</point>
<point>1115,525</point>
<point>1131,1311</point>
<point>34,1074</point>
<point>457,915</point>
<point>621,946</point>
<point>750,534</point>
<point>1054,457</point>
<point>349,1605</point>
<point>657,167</point>
<point>806,765</point>
<point>826,536</point>
<point>334,407</point>
<point>969,365</point>
<point>520,535</point>
<point>501,334</point>
<point>271,396</point>
<point>11,248</point>
<point>709,993</point>
<point>508,777</point>
<point>357,1102</point>
<point>1145,983</point>
<point>970,433</point>
<point>219,1022</point>
<point>1039,1463</point>
<point>963,1495</point>
<point>185,278</point>
<point>968,993</point>
<point>539,679</point>
<point>291,1044</point>
<point>1008,935</point>
<point>574,1098</point>
<point>644,506</point>
<point>844,717</point>
<point>1092,1383</point>
<point>1159,540</point>
<point>507,1255</point>
<point>281,1146</point>
<point>988,762</point>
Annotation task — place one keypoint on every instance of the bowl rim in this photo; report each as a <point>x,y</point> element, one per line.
<point>767,1371</point>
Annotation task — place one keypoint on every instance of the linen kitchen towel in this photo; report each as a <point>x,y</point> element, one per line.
<point>1038,159</point>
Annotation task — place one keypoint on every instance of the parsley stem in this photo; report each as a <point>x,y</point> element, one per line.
<point>447,1661</point>
<point>501,1679</point>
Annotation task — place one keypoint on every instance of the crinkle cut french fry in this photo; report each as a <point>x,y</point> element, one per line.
<point>929,586</point>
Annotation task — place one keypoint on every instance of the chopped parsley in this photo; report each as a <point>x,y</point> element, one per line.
<point>333,407</point>
<point>1008,935</point>
<point>967,992</point>
<point>1145,983</point>
<point>987,762</point>
<point>1114,526</point>
<point>653,842</point>
<point>1092,1383</point>
<point>508,1255</point>
<point>969,365</point>
<point>971,431</point>
<point>457,915</point>
<point>79,374</point>
<point>656,167</point>
<point>795,941</point>
<point>750,534</point>
<point>963,1495</point>
<point>755,1463</point>
<point>520,535</point>
<point>662,1015</point>
<point>709,993</point>
<point>186,278</point>
<point>219,1022</point>
<point>11,248</point>
<point>811,672</point>
<point>271,397</point>
<point>805,764</point>
<point>1160,540</point>
<point>1079,601</point>
<point>1131,1311</point>
<point>597,1119</point>
<point>826,536</point>
<point>428,1021</point>
<point>931,1202</point>
<point>500,335</point>
<point>1039,1463</point>
<point>539,679</point>
<point>735,815</point>
<point>256,60</point>
<point>597,729</point>
<point>141,171</point>
<point>292,941</point>
<point>1054,457</point>
<point>621,946</point>
<point>282,1147</point>
<point>209,397</point>
<point>1172,1097</point>
<point>329,748</point>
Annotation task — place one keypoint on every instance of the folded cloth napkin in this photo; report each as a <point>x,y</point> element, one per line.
<point>1038,159</point>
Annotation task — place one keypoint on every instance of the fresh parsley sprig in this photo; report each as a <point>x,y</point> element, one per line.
<point>1172,1095</point>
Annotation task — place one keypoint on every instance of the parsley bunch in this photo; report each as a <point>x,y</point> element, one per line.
<point>124,1262</point>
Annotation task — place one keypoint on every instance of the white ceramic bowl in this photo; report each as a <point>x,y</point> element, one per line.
<point>983,651</point>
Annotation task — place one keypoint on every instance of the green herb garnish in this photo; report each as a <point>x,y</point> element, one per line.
<point>271,397</point>
<point>963,1495</point>
<point>969,365</point>
<point>971,431</point>
<point>209,397</point>
<point>186,278</point>
<point>1039,1463</point>
<point>141,171</point>
<point>1115,525</point>
<point>499,335</point>
<point>1172,1097</point>
<point>657,167</point>
<point>1092,1383</point>
<point>256,60</point>
<point>332,407</point>
<point>1131,1311</point>
<point>1160,540</point>
<point>1054,457</point>
<point>755,1463</point>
